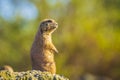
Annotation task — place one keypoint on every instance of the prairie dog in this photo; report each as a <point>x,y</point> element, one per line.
<point>6,67</point>
<point>42,51</point>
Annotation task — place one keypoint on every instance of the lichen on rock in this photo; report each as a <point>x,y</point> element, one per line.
<point>30,75</point>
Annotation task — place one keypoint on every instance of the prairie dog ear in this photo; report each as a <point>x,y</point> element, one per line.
<point>43,27</point>
<point>41,30</point>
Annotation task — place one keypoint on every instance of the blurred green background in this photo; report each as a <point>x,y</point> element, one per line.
<point>88,37</point>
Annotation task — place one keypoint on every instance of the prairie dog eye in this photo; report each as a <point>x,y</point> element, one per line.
<point>46,24</point>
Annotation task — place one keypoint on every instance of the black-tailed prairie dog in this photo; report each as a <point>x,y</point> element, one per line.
<point>6,67</point>
<point>42,51</point>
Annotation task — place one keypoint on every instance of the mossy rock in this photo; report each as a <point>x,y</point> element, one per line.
<point>30,75</point>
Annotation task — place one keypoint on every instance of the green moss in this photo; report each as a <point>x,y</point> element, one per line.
<point>30,75</point>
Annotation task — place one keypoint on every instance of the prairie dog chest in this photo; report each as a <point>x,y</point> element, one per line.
<point>48,47</point>
<point>48,56</point>
<point>47,41</point>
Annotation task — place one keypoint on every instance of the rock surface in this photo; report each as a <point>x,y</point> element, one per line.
<point>30,75</point>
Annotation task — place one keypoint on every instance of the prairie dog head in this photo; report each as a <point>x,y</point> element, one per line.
<point>48,26</point>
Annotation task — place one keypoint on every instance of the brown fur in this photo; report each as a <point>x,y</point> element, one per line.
<point>42,51</point>
<point>6,67</point>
